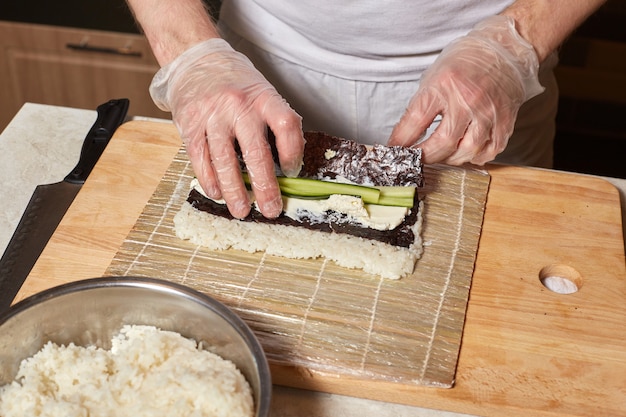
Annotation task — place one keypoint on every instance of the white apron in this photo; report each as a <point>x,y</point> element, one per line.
<point>351,69</point>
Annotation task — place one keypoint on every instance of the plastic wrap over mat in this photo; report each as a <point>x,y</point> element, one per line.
<point>329,320</point>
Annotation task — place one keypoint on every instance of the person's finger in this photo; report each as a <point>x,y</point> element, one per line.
<point>194,138</point>
<point>474,142</point>
<point>424,107</point>
<point>444,141</point>
<point>250,131</point>
<point>227,171</point>
<point>198,153</point>
<point>286,125</point>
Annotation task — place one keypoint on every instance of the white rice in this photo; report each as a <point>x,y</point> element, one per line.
<point>147,372</point>
<point>377,258</point>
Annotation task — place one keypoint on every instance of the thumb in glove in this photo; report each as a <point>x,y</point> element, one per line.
<point>476,85</point>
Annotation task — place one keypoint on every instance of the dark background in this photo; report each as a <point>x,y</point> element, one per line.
<point>591,128</point>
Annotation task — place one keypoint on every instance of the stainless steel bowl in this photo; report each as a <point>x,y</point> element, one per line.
<point>91,311</point>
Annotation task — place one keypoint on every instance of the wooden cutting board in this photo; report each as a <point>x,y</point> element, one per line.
<point>526,350</point>
<point>320,317</point>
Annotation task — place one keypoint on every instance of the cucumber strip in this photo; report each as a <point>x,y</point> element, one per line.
<point>397,191</point>
<point>307,187</point>
<point>316,189</point>
<point>395,202</point>
<point>401,196</point>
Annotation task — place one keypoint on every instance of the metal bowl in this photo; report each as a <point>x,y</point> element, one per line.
<point>90,312</point>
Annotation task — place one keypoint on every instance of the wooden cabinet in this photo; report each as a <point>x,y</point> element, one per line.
<point>74,68</point>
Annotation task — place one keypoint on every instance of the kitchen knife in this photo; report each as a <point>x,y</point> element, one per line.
<point>49,202</point>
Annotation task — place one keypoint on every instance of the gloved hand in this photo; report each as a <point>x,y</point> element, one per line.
<point>477,86</point>
<point>216,96</point>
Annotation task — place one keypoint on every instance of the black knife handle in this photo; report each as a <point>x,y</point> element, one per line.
<point>110,116</point>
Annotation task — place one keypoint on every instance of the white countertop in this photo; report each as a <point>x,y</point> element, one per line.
<point>42,144</point>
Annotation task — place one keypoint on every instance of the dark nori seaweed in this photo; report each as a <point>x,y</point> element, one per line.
<point>376,165</point>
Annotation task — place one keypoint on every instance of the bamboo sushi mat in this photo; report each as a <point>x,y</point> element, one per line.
<point>315,315</point>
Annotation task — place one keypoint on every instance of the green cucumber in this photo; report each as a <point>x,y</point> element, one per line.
<point>317,189</point>
<point>401,196</point>
<point>307,187</point>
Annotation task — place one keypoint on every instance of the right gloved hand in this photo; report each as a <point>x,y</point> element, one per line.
<point>477,85</point>
<point>216,96</point>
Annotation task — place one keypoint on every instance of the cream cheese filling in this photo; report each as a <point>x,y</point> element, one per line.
<point>335,209</point>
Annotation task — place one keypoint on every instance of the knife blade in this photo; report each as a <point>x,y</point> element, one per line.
<point>49,203</point>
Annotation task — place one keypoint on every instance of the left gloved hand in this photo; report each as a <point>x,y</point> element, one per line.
<point>477,86</point>
<point>217,97</point>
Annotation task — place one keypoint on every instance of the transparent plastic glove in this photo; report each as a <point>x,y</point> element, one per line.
<point>477,86</point>
<point>216,96</point>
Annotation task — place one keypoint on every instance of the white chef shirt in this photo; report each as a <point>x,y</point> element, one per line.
<point>350,68</point>
<point>367,40</point>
